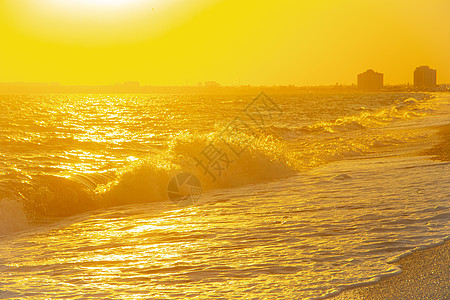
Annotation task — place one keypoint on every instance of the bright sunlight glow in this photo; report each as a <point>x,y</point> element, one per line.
<point>98,22</point>
<point>103,4</point>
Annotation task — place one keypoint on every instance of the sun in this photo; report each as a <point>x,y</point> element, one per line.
<point>100,23</point>
<point>99,4</point>
<point>105,2</point>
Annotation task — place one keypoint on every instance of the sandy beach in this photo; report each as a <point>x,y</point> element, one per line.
<point>425,275</point>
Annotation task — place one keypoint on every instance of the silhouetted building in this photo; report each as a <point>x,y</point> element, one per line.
<point>424,77</point>
<point>211,84</point>
<point>370,80</point>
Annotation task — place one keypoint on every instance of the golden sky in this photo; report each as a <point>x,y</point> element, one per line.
<point>174,42</point>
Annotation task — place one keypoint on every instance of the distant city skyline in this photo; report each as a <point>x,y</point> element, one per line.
<point>423,77</point>
<point>306,43</point>
<point>216,83</point>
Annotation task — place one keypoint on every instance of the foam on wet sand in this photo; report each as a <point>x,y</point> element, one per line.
<point>425,275</point>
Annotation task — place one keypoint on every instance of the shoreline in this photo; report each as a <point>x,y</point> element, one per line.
<point>425,275</point>
<point>441,150</point>
<point>425,272</point>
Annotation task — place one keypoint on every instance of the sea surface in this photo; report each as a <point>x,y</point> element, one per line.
<point>301,195</point>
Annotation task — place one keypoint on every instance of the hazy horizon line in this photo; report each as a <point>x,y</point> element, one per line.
<point>124,84</point>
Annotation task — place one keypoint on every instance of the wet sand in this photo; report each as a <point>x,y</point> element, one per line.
<point>425,273</point>
<point>441,151</point>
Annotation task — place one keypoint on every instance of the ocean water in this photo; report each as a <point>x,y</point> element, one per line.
<point>301,195</point>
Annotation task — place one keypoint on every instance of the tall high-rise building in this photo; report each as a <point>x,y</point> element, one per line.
<point>424,77</point>
<point>370,80</point>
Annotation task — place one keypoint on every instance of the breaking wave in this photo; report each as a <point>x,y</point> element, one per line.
<point>242,159</point>
<point>401,110</point>
<point>47,196</point>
